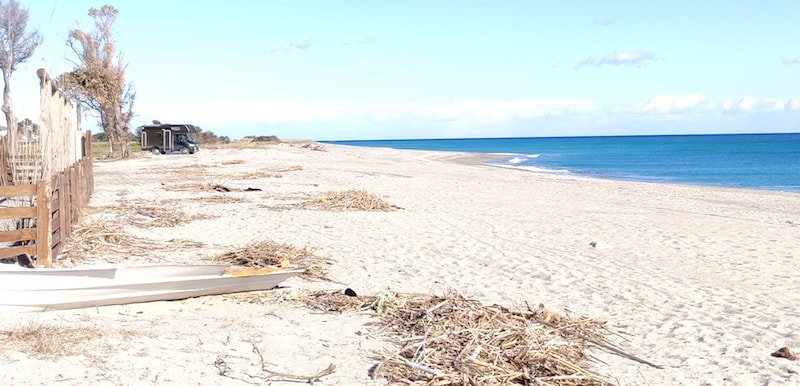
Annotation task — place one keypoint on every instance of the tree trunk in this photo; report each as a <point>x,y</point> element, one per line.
<point>11,121</point>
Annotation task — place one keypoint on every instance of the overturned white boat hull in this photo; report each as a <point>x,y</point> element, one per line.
<point>60,289</point>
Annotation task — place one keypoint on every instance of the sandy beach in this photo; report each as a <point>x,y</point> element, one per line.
<point>698,280</point>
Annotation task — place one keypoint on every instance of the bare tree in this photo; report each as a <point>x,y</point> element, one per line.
<point>16,46</point>
<point>98,81</point>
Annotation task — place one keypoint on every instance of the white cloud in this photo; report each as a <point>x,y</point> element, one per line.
<point>792,60</point>
<point>297,45</point>
<point>620,58</point>
<point>750,104</point>
<point>670,104</point>
<point>461,112</point>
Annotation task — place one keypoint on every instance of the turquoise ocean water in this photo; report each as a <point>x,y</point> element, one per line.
<point>752,161</point>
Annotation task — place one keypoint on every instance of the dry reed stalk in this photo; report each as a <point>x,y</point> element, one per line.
<point>452,340</point>
<point>268,253</point>
<point>46,341</point>
<point>255,175</point>
<point>219,199</point>
<point>335,302</point>
<point>352,199</point>
<point>160,214</point>
<point>92,238</point>
<point>189,187</point>
<point>276,172</point>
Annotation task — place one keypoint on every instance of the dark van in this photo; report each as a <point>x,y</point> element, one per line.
<point>168,138</point>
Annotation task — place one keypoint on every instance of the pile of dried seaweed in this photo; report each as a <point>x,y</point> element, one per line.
<point>268,253</point>
<point>276,172</point>
<point>220,199</point>
<point>352,199</point>
<point>91,238</point>
<point>150,215</point>
<point>452,340</point>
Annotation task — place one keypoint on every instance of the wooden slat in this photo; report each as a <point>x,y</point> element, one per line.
<point>56,250</point>
<point>18,235</point>
<point>17,190</point>
<point>73,196</point>
<point>22,212</point>
<point>30,249</point>
<point>62,206</point>
<point>55,222</point>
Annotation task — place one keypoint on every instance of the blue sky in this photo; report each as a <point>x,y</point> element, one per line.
<point>336,70</point>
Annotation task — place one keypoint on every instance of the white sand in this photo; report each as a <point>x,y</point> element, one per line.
<point>703,279</point>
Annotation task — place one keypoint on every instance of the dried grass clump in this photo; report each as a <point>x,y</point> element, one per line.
<point>233,162</point>
<point>219,199</point>
<point>46,341</point>
<point>190,187</point>
<point>181,172</point>
<point>336,302</point>
<point>451,340</point>
<point>159,214</point>
<point>268,253</point>
<point>92,238</point>
<point>267,173</point>
<point>352,199</point>
<point>314,146</point>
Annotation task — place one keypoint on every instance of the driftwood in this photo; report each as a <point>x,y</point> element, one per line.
<point>452,340</point>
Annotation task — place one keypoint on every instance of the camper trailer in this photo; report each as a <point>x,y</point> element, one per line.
<point>167,138</point>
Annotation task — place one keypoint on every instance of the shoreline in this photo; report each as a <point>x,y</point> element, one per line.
<point>696,275</point>
<point>467,157</point>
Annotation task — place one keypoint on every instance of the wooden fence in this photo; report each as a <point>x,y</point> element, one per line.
<point>57,205</point>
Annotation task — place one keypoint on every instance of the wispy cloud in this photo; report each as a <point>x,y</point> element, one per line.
<point>469,112</point>
<point>620,58</point>
<point>750,104</point>
<point>668,104</point>
<point>792,60</point>
<point>604,22</point>
<point>296,45</point>
<point>362,40</point>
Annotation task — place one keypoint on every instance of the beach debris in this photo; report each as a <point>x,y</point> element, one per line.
<point>452,340</point>
<point>157,214</point>
<point>350,292</point>
<point>225,370</point>
<point>313,146</point>
<point>268,253</point>
<point>353,199</point>
<point>598,245</point>
<point>93,237</point>
<point>784,352</point>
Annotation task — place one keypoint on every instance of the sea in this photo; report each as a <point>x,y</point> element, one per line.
<point>750,161</point>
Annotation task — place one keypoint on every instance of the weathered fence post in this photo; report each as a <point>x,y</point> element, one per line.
<point>44,235</point>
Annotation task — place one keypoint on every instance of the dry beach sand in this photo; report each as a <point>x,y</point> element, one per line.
<point>699,280</point>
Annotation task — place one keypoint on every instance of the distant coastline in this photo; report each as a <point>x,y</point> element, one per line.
<point>747,161</point>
